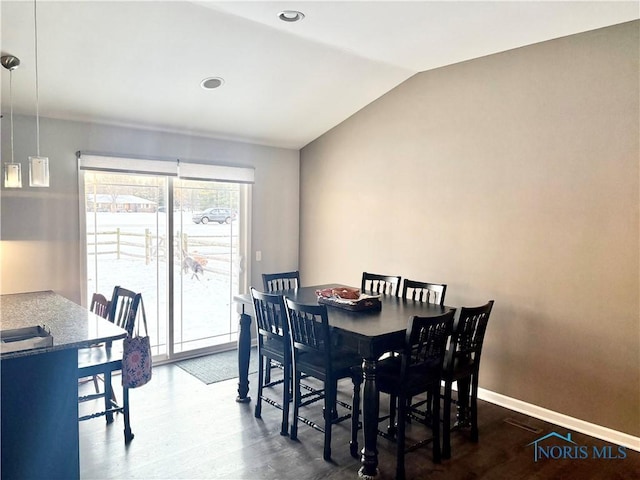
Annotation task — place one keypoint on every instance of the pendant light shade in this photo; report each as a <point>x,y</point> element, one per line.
<point>12,175</point>
<point>12,171</point>
<point>38,171</point>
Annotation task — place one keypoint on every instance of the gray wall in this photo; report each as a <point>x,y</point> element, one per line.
<point>512,177</point>
<point>40,227</point>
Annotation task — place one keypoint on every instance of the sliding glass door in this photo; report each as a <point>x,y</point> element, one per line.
<point>178,242</point>
<point>206,230</point>
<point>126,242</point>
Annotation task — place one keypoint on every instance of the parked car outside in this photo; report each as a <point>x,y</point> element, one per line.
<point>215,214</point>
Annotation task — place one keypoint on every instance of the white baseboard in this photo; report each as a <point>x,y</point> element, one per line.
<point>597,431</point>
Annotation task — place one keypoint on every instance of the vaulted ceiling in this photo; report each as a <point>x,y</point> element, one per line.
<point>141,63</point>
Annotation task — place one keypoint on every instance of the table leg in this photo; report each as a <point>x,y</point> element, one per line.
<point>244,354</point>
<point>370,413</point>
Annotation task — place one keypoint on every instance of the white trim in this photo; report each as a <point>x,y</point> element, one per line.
<point>597,431</point>
<point>82,238</point>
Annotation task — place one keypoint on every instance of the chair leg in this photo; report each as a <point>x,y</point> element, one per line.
<point>95,383</point>
<point>430,400</point>
<point>128,434</point>
<point>391,428</point>
<point>331,388</point>
<point>114,399</point>
<point>474,408</point>
<point>463,402</point>
<point>107,396</point>
<point>267,375</point>
<point>293,434</point>
<point>446,421</point>
<point>284,430</point>
<point>355,414</point>
<point>333,408</point>
<point>258,409</point>
<point>435,422</point>
<point>400,440</point>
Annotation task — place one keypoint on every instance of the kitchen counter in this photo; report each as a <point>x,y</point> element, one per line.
<point>39,387</point>
<point>71,325</point>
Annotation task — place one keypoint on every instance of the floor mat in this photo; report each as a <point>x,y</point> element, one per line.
<point>218,366</point>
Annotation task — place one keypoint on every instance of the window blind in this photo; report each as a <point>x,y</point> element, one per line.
<point>169,167</point>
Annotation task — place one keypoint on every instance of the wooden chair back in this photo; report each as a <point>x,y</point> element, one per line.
<point>99,305</point>
<point>123,308</point>
<point>275,282</point>
<point>425,349</point>
<point>270,314</point>
<point>309,328</point>
<point>424,292</point>
<point>468,336</point>
<point>380,284</point>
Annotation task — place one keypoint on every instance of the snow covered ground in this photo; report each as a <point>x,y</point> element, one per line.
<point>204,312</point>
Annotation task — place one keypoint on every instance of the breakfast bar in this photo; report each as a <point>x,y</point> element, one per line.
<point>40,382</point>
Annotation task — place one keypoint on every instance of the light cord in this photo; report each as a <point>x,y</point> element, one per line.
<point>11,108</point>
<point>35,23</point>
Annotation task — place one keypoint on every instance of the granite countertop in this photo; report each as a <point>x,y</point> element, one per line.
<point>71,325</point>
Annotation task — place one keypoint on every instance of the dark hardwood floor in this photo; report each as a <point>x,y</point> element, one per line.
<point>185,429</point>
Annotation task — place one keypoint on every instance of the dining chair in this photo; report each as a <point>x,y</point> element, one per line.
<point>380,284</point>
<point>273,344</point>
<point>274,282</point>
<point>424,291</point>
<point>100,306</point>
<point>313,354</point>
<point>462,365</point>
<point>107,359</point>
<point>416,371</point>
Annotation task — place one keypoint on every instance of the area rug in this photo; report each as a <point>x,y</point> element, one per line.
<point>218,366</point>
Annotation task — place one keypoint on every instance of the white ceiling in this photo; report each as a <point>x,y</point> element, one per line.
<point>141,63</point>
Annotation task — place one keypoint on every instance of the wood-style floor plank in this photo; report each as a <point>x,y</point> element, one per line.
<point>185,429</point>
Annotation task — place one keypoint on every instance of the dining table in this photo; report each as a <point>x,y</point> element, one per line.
<point>371,332</point>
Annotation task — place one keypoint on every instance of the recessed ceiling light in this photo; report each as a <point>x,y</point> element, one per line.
<point>211,83</point>
<point>290,16</point>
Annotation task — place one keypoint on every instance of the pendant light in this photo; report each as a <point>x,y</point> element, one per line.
<point>38,166</point>
<point>13,170</point>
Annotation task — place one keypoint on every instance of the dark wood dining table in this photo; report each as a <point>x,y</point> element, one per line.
<point>371,332</point>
